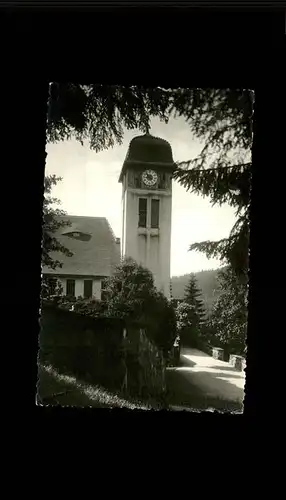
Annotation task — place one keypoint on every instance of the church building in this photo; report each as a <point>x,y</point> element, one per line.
<point>146,178</point>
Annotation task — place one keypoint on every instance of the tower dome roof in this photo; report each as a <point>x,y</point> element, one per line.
<point>150,149</point>
<point>144,149</point>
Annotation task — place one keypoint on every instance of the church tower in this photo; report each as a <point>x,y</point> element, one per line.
<point>146,178</point>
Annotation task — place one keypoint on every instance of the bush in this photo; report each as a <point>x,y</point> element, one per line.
<point>188,329</point>
<point>131,294</point>
<point>51,288</point>
<point>160,322</point>
<point>90,307</point>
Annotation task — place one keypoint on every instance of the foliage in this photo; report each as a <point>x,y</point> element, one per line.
<point>222,170</point>
<point>51,288</point>
<point>160,321</point>
<point>193,296</point>
<point>99,112</point>
<point>89,307</point>
<point>131,294</point>
<point>191,314</point>
<point>223,118</point>
<point>183,315</point>
<point>66,302</point>
<point>232,250</point>
<point>51,223</point>
<point>85,306</point>
<point>206,281</point>
<point>228,322</point>
<point>127,290</point>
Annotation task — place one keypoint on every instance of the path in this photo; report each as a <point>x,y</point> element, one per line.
<point>215,378</point>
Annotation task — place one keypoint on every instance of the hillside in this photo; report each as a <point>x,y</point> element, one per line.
<point>206,281</point>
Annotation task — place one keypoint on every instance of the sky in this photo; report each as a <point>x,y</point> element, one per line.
<point>90,187</point>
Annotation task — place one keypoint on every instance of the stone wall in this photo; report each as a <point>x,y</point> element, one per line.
<point>145,366</point>
<point>218,353</point>
<point>236,361</point>
<point>84,347</point>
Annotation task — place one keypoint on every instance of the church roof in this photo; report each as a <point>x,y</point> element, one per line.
<point>148,149</point>
<point>93,244</point>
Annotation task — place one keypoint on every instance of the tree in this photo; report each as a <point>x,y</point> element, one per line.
<point>131,294</point>
<point>51,288</point>
<point>127,291</point>
<point>222,118</point>
<point>52,221</point>
<point>160,321</point>
<point>98,113</point>
<point>222,170</point>
<point>183,314</point>
<point>193,296</point>
<point>191,314</point>
<point>228,321</point>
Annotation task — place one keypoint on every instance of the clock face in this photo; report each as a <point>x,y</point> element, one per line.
<point>149,177</point>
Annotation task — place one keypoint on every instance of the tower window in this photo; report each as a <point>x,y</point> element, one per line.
<point>162,181</point>
<point>137,180</point>
<point>71,288</point>
<point>87,289</point>
<point>142,212</point>
<point>155,213</point>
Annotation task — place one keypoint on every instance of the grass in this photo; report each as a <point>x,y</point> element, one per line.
<point>181,393</point>
<point>57,389</point>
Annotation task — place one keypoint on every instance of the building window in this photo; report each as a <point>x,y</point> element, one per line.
<point>87,289</point>
<point>155,213</point>
<point>71,288</point>
<point>142,212</point>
